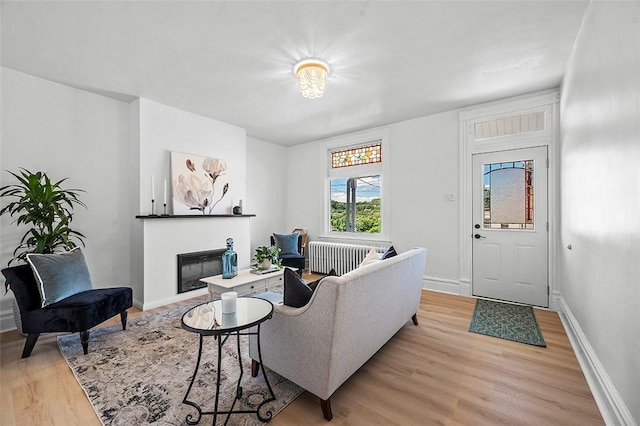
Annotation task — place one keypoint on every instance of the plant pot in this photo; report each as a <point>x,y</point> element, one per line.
<point>266,264</point>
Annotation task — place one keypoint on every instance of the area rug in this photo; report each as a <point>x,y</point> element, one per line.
<point>139,376</point>
<point>506,321</point>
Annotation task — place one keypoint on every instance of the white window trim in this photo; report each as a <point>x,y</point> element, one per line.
<point>359,138</point>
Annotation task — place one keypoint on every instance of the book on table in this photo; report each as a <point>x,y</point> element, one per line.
<point>264,271</point>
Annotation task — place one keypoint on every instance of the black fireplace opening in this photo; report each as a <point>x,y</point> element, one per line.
<point>193,266</point>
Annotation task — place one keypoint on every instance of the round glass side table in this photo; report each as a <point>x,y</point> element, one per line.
<point>207,319</point>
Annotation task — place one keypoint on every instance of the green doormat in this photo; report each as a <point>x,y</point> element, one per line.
<point>506,321</point>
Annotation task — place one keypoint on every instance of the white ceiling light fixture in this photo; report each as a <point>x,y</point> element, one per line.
<point>311,75</point>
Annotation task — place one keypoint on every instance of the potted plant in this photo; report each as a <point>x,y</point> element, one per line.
<point>266,257</point>
<point>46,208</point>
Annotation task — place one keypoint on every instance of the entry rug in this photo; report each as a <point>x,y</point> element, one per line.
<point>506,321</point>
<point>139,376</point>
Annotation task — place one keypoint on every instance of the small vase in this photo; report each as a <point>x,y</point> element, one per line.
<point>229,261</point>
<point>265,265</point>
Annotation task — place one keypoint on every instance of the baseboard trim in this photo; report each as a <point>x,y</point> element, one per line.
<point>441,285</point>
<point>170,300</point>
<point>612,407</point>
<point>6,321</point>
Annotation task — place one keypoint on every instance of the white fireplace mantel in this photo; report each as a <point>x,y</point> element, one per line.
<point>164,238</point>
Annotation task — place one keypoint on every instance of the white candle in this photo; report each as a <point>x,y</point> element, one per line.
<point>229,302</point>
<point>165,191</point>
<point>153,191</point>
<point>229,320</point>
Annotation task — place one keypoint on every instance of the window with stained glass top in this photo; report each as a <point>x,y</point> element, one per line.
<point>357,156</point>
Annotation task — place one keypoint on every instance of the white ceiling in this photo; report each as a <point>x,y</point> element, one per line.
<point>232,60</point>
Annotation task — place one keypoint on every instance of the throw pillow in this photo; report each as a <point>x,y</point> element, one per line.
<point>391,251</point>
<point>288,243</point>
<point>60,275</point>
<point>313,285</point>
<point>372,257</point>
<point>296,292</point>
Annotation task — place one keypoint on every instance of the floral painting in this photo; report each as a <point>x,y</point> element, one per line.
<point>199,184</point>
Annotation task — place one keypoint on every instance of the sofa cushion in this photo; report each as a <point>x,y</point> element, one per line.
<point>314,284</point>
<point>60,275</point>
<point>288,243</point>
<point>296,292</point>
<point>391,251</point>
<point>372,257</point>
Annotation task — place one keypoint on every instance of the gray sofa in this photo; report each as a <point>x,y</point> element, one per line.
<point>320,345</point>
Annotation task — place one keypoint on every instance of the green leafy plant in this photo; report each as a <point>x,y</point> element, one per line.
<point>44,206</point>
<point>269,253</point>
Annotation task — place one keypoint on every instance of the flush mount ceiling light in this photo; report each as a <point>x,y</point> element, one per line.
<point>311,75</point>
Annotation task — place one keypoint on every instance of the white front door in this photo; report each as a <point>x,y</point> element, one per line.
<point>510,228</point>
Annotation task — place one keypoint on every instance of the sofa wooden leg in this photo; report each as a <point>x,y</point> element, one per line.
<point>123,319</point>
<point>414,318</point>
<point>326,408</point>
<point>84,339</point>
<point>255,366</point>
<point>32,338</point>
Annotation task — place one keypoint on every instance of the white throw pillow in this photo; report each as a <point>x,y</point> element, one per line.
<point>372,257</point>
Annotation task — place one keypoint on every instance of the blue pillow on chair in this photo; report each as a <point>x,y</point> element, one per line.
<point>288,243</point>
<point>60,275</point>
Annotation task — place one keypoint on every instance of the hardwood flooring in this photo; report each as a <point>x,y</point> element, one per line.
<point>435,373</point>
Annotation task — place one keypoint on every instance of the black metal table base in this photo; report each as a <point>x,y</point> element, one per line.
<point>222,339</point>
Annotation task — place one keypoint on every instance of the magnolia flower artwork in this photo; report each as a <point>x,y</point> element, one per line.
<point>199,183</point>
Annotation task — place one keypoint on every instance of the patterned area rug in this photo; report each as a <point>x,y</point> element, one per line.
<point>140,376</point>
<point>506,321</point>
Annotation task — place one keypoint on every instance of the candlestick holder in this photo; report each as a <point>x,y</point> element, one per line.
<point>153,208</point>
<point>164,212</point>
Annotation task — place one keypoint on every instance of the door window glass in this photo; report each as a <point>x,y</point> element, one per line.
<point>508,195</point>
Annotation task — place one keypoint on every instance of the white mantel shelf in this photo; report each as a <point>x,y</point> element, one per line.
<point>162,240</point>
<point>194,216</point>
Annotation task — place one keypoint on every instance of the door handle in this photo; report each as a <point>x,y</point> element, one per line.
<point>478,236</point>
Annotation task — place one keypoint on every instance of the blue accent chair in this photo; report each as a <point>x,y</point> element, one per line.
<point>77,313</point>
<point>293,260</point>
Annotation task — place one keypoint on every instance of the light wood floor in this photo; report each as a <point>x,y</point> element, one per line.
<point>435,373</point>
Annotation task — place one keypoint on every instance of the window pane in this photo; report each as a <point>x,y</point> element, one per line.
<point>525,123</point>
<point>508,195</point>
<point>355,204</point>
<point>338,205</point>
<point>357,156</point>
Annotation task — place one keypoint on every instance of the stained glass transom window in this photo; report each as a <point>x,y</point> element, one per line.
<point>357,156</point>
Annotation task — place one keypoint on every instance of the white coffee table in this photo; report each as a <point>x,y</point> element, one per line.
<point>244,283</point>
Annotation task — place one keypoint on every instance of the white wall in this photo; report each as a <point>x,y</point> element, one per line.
<point>163,129</point>
<point>423,156</point>
<point>600,193</point>
<point>110,149</point>
<point>266,190</point>
<point>70,133</point>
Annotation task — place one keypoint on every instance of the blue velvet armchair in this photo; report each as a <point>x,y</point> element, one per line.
<point>76,313</point>
<point>289,257</point>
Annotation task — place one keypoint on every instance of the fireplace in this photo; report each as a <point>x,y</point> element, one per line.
<point>193,266</point>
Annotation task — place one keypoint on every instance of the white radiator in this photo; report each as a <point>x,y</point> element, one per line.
<point>324,256</point>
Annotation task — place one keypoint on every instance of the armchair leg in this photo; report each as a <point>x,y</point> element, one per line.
<point>32,338</point>
<point>255,366</point>
<point>123,319</point>
<point>84,339</point>
<point>414,318</point>
<point>326,408</point>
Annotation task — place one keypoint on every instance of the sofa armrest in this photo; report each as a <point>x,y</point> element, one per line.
<point>296,342</point>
